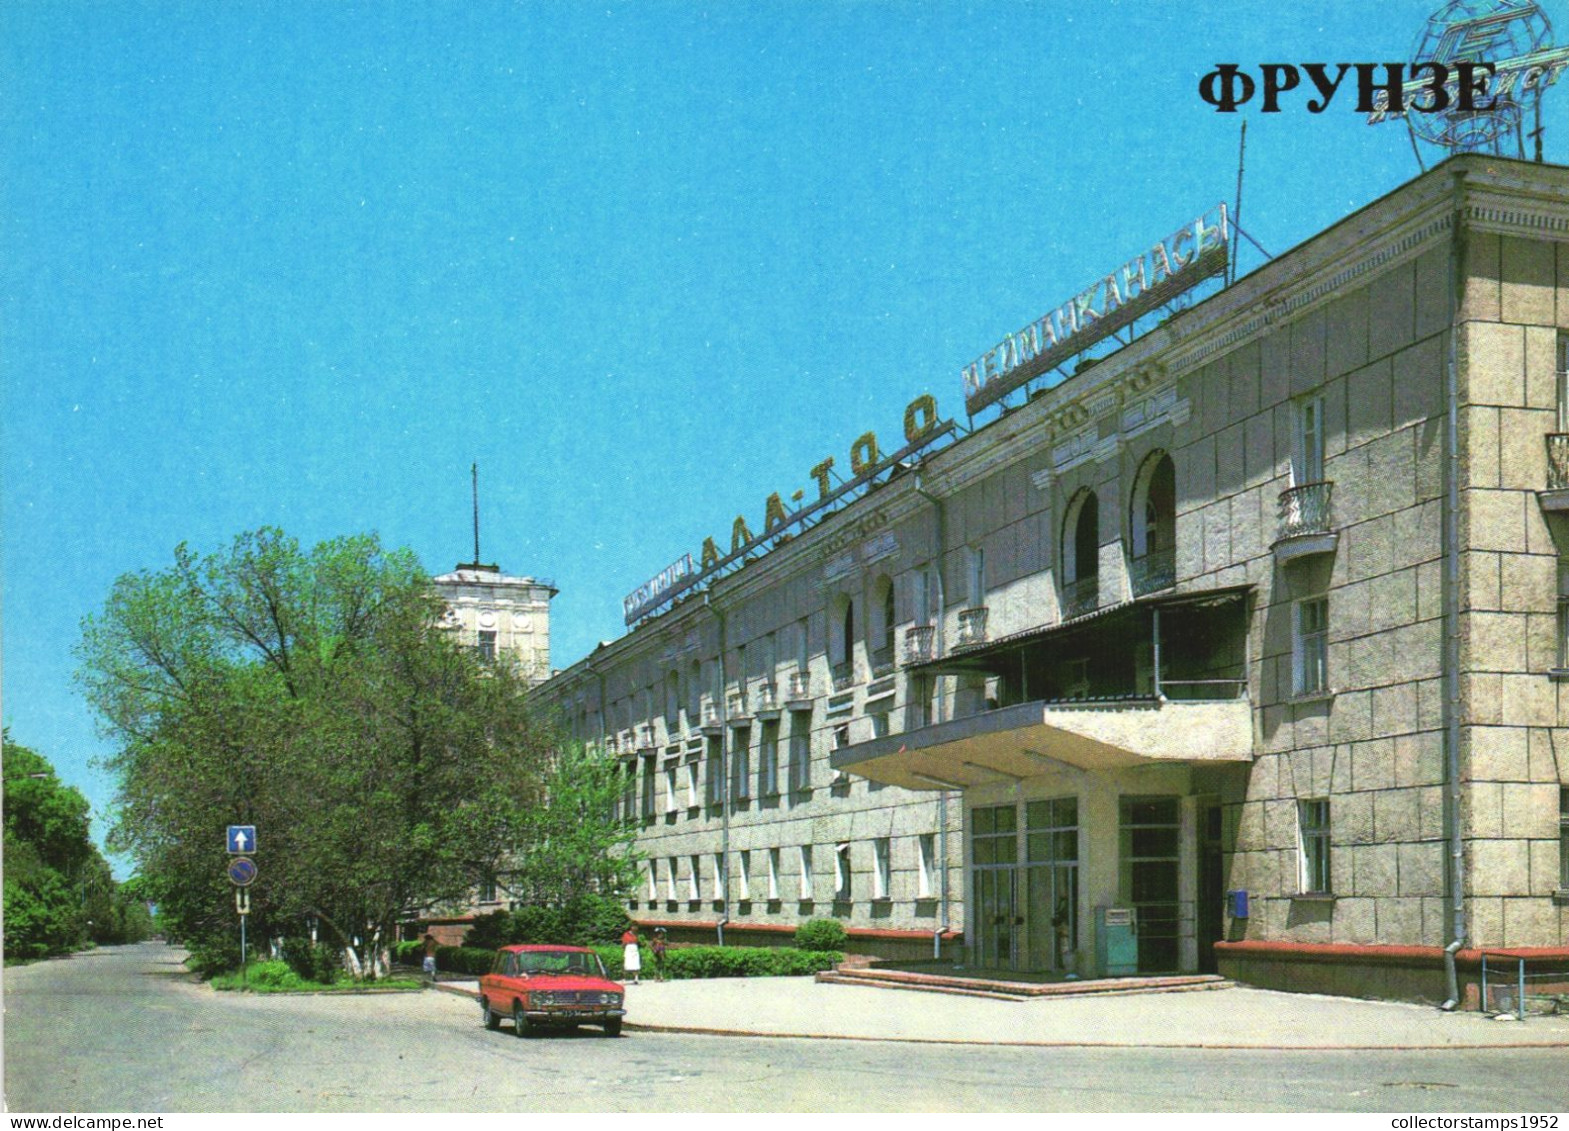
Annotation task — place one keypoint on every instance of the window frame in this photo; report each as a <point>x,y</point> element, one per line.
<point>1315,850</point>
<point>882,868</point>
<point>1307,645</point>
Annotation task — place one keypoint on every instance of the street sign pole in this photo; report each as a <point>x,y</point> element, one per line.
<point>242,905</point>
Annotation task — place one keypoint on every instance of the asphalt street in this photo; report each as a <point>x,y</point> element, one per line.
<point>127,1030</point>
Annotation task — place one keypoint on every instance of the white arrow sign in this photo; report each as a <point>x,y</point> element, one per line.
<point>242,839</point>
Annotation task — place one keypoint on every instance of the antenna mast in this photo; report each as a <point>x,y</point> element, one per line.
<point>474,474</point>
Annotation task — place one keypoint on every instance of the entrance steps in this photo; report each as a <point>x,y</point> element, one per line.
<point>1001,988</point>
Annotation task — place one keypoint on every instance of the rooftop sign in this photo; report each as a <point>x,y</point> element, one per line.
<point>867,462</point>
<point>1191,254</point>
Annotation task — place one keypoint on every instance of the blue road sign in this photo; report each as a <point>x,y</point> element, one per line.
<point>242,871</point>
<point>242,839</point>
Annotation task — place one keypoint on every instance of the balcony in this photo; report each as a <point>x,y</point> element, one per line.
<point>799,697</point>
<point>920,643</point>
<point>1155,571</point>
<point>972,627</point>
<point>767,698</point>
<point>1556,498</point>
<point>843,674</point>
<point>882,659</point>
<point>710,716</point>
<point>645,736</point>
<point>735,705</point>
<point>1305,522</point>
<point>1081,596</point>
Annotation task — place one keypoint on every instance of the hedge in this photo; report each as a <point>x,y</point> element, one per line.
<point>680,962</point>
<point>726,961</point>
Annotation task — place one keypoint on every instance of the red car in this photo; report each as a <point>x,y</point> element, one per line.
<point>550,986</point>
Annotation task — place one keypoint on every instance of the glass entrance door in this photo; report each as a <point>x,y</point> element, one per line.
<point>1051,883</point>
<point>1151,828</point>
<point>994,854</point>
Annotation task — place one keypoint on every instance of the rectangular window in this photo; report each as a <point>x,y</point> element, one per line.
<point>842,873</point>
<point>806,871</point>
<point>773,873</point>
<point>695,879</point>
<point>1314,821</point>
<point>743,890</point>
<point>672,786</point>
<point>741,764</point>
<point>977,577</point>
<point>800,756</point>
<point>803,645</point>
<point>1563,838</point>
<point>1311,654</point>
<point>487,645</point>
<point>693,772</point>
<point>716,772</point>
<point>653,880</point>
<point>1563,382</point>
<point>629,790</point>
<point>649,774</point>
<point>841,740</point>
<point>670,879</point>
<point>926,877</point>
<point>1308,459</point>
<point>721,875</point>
<point>920,599</point>
<point>882,868</point>
<point>1563,613</point>
<point>768,760</point>
<point>487,889</point>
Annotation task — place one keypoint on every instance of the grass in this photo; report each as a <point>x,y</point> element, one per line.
<point>274,977</point>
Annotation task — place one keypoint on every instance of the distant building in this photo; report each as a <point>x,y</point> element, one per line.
<point>500,615</point>
<point>1245,649</point>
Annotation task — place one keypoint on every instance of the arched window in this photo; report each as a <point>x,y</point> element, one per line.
<point>1153,517</point>
<point>879,640</point>
<point>841,644</point>
<point>1081,555</point>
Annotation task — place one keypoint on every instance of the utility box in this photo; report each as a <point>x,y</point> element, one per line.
<point>1116,941</point>
<point>1237,903</point>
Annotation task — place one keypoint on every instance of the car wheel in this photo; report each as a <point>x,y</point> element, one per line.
<point>519,1022</point>
<point>491,1018</point>
<point>613,1027</point>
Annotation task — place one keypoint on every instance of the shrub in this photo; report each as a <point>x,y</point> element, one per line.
<point>492,931</point>
<point>319,963</point>
<point>821,934</point>
<point>465,960</point>
<point>728,962</point>
<point>214,955</point>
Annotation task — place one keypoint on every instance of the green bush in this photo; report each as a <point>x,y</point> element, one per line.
<point>727,962</point>
<point>492,931</point>
<point>465,960</point>
<point>213,955</point>
<point>821,934</point>
<point>319,963</point>
<point>408,953</point>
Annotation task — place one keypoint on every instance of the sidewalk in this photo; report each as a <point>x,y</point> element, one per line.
<point>1237,1017</point>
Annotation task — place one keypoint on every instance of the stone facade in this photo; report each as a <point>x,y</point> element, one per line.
<point>1228,611</point>
<point>500,615</point>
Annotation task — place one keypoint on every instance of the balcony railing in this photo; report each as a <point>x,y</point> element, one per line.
<point>1305,510</point>
<point>736,704</point>
<point>645,735</point>
<point>1557,461</point>
<point>882,660</point>
<point>1081,596</point>
<point>972,626</point>
<point>767,697</point>
<point>1155,571</point>
<point>919,643</point>
<point>800,686</point>
<point>844,674</point>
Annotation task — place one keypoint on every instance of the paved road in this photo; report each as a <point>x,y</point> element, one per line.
<point>125,1030</point>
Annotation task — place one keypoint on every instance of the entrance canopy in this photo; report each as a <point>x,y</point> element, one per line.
<point>1029,739</point>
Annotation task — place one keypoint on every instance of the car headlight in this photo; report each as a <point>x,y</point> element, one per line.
<point>543,998</point>
<point>609,999</point>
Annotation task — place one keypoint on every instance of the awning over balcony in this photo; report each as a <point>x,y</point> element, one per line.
<point>986,657</point>
<point>1029,739</point>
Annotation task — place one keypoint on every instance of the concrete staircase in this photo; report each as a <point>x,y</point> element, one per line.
<point>1001,989</point>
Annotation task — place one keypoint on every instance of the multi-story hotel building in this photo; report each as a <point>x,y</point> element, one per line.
<point>1254,629</point>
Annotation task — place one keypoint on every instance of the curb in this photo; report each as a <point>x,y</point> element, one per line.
<point>712,1031</point>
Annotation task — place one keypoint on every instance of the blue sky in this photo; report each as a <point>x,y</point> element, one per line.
<point>301,264</point>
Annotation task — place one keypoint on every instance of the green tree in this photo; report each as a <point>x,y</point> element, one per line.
<point>59,892</point>
<point>311,694</point>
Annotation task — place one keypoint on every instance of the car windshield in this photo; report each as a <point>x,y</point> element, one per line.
<point>560,962</point>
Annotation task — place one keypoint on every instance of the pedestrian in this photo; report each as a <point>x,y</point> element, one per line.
<point>631,957</point>
<point>429,965</point>
<point>659,954</point>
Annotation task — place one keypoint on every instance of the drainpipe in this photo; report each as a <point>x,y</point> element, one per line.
<point>1455,873</point>
<point>724,772</point>
<point>939,652</point>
